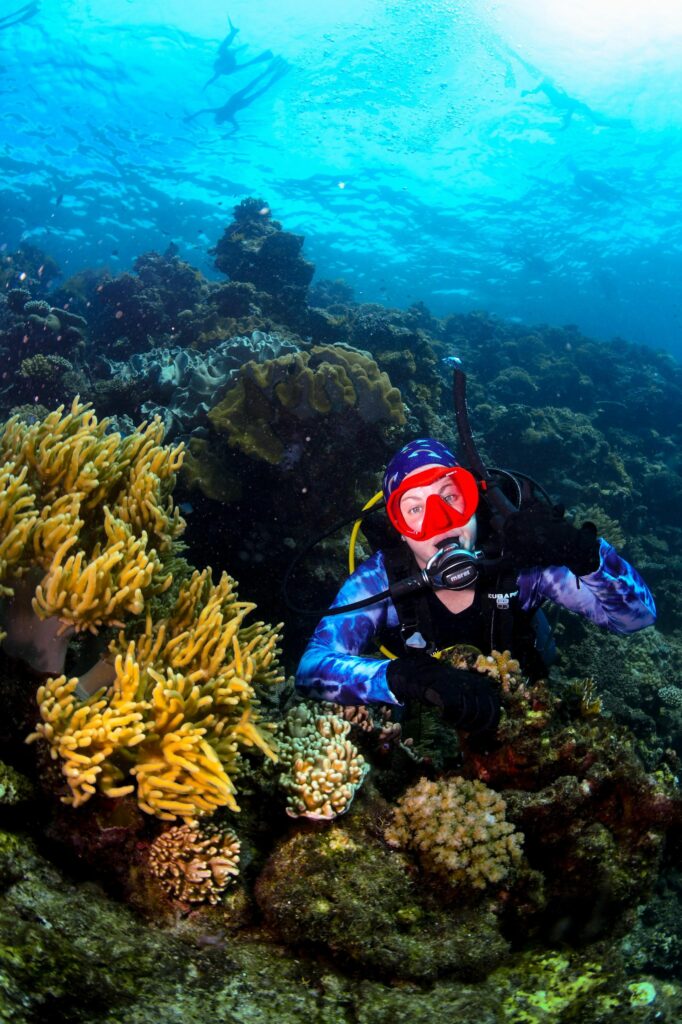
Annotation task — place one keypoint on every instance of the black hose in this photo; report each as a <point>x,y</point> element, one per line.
<point>317,612</point>
<point>500,505</point>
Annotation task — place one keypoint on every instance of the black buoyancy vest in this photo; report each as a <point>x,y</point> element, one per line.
<point>494,621</point>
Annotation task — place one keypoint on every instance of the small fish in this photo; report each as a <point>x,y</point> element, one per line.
<point>186,507</point>
<point>59,199</point>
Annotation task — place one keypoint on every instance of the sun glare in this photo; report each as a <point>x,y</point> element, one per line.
<point>619,25</point>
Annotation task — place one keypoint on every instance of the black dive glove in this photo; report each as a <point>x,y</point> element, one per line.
<point>467,699</point>
<point>538,536</point>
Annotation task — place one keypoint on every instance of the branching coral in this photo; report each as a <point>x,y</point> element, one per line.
<point>501,667</point>
<point>374,722</point>
<point>321,768</point>
<point>195,864</point>
<point>87,516</point>
<point>178,713</point>
<point>458,830</point>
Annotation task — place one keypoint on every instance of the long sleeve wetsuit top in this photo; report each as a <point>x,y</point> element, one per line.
<point>336,665</point>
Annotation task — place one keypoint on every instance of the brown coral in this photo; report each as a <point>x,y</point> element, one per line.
<point>195,864</point>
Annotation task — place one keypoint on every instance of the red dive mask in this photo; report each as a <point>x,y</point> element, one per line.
<point>439,517</point>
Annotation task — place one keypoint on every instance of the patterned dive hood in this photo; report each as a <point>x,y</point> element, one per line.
<point>425,451</point>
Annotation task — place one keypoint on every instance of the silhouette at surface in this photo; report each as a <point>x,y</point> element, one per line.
<point>226,60</point>
<point>21,14</point>
<point>245,96</point>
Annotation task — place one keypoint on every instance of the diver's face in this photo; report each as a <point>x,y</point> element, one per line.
<point>413,507</point>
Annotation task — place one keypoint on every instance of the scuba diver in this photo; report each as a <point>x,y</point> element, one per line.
<point>245,96</point>
<point>432,588</point>
<point>226,60</point>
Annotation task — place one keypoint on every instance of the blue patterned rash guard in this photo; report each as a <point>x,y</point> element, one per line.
<point>337,664</point>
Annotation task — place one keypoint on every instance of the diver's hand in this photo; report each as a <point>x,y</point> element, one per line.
<point>538,536</point>
<point>467,699</point>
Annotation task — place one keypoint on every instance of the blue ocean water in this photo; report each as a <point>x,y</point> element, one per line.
<point>517,157</point>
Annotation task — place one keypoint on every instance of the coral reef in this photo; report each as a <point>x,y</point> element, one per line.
<point>345,928</point>
<point>342,892</point>
<point>28,267</point>
<point>70,952</point>
<point>255,249</point>
<point>272,439</point>
<point>180,385</point>
<point>31,327</point>
<point>593,817</point>
<point>48,379</point>
<point>458,830</point>
<point>193,863</point>
<point>321,770</point>
<point>127,312</point>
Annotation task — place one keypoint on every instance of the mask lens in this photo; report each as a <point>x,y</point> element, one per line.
<point>439,516</point>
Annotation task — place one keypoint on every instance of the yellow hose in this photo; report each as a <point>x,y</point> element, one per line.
<point>351,554</point>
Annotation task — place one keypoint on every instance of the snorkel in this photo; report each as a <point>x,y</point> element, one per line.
<point>491,493</point>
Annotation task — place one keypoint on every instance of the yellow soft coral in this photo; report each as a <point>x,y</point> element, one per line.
<point>86,591</point>
<point>184,691</point>
<point>87,520</point>
<point>18,517</point>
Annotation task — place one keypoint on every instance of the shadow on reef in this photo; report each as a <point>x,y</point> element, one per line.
<point>183,837</point>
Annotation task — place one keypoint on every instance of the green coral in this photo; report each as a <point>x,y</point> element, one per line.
<point>321,768</point>
<point>328,381</point>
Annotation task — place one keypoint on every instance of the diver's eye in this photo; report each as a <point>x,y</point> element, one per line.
<point>414,510</point>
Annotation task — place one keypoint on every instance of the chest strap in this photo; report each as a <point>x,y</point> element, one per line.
<point>414,617</point>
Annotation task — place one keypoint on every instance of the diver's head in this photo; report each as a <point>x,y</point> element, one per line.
<point>430,497</point>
